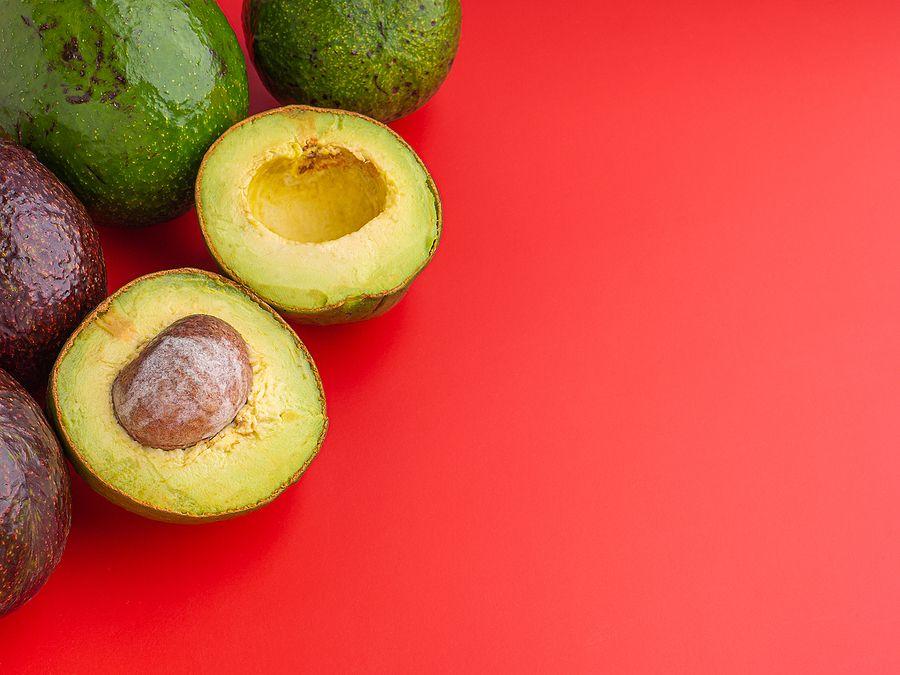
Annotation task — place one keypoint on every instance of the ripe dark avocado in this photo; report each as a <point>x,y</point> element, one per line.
<point>35,502</point>
<point>381,59</point>
<point>120,98</point>
<point>51,267</point>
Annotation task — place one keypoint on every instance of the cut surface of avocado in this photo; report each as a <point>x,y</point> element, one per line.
<point>326,214</point>
<point>272,439</point>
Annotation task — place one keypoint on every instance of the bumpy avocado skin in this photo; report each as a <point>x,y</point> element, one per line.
<point>382,59</point>
<point>354,309</point>
<point>35,500</point>
<point>120,98</point>
<point>52,271</point>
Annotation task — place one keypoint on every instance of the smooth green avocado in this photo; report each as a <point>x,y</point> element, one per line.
<point>381,59</point>
<point>325,214</point>
<point>120,98</point>
<point>277,429</point>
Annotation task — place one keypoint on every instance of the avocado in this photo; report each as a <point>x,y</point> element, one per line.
<point>35,501</point>
<point>51,267</point>
<point>158,411</point>
<point>120,98</point>
<point>326,214</point>
<point>382,59</point>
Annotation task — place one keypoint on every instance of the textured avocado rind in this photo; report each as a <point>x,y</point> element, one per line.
<point>36,501</point>
<point>358,308</point>
<point>120,98</point>
<point>127,501</point>
<point>52,271</point>
<point>384,60</point>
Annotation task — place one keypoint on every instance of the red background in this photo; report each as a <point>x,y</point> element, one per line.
<point>639,415</point>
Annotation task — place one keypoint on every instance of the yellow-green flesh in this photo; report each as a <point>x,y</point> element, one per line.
<point>311,208</point>
<point>273,436</point>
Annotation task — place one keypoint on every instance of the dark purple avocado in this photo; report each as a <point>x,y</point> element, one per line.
<point>35,501</point>
<point>51,267</point>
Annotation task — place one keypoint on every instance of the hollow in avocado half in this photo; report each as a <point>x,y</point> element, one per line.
<point>326,214</point>
<point>183,398</point>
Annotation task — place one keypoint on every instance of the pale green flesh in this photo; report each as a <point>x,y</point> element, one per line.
<point>313,208</point>
<point>273,436</point>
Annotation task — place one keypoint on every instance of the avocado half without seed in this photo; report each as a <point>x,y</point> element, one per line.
<point>183,398</point>
<point>326,214</point>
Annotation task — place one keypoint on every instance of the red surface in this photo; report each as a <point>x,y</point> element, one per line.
<point>640,415</point>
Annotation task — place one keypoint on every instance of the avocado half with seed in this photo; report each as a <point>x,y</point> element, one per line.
<point>325,214</point>
<point>183,398</point>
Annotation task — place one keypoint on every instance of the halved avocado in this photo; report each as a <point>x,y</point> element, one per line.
<point>326,214</point>
<point>265,448</point>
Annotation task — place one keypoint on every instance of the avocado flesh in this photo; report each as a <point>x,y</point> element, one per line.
<point>326,214</point>
<point>120,98</point>
<point>272,439</point>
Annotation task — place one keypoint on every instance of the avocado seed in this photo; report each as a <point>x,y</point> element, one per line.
<point>185,386</point>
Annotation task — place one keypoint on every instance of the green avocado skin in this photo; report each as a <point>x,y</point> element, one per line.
<point>352,310</point>
<point>381,58</point>
<point>120,98</point>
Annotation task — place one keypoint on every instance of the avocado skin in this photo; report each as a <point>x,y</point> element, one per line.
<point>52,271</point>
<point>382,59</point>
<point>120,98</point>
<point>35,498</point>
<point>351,310</point>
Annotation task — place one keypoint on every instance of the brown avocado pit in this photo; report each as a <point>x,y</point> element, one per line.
<point>186,385</point>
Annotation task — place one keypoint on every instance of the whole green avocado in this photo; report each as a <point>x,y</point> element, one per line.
<point>381,58</point>
<point>120,98</point>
